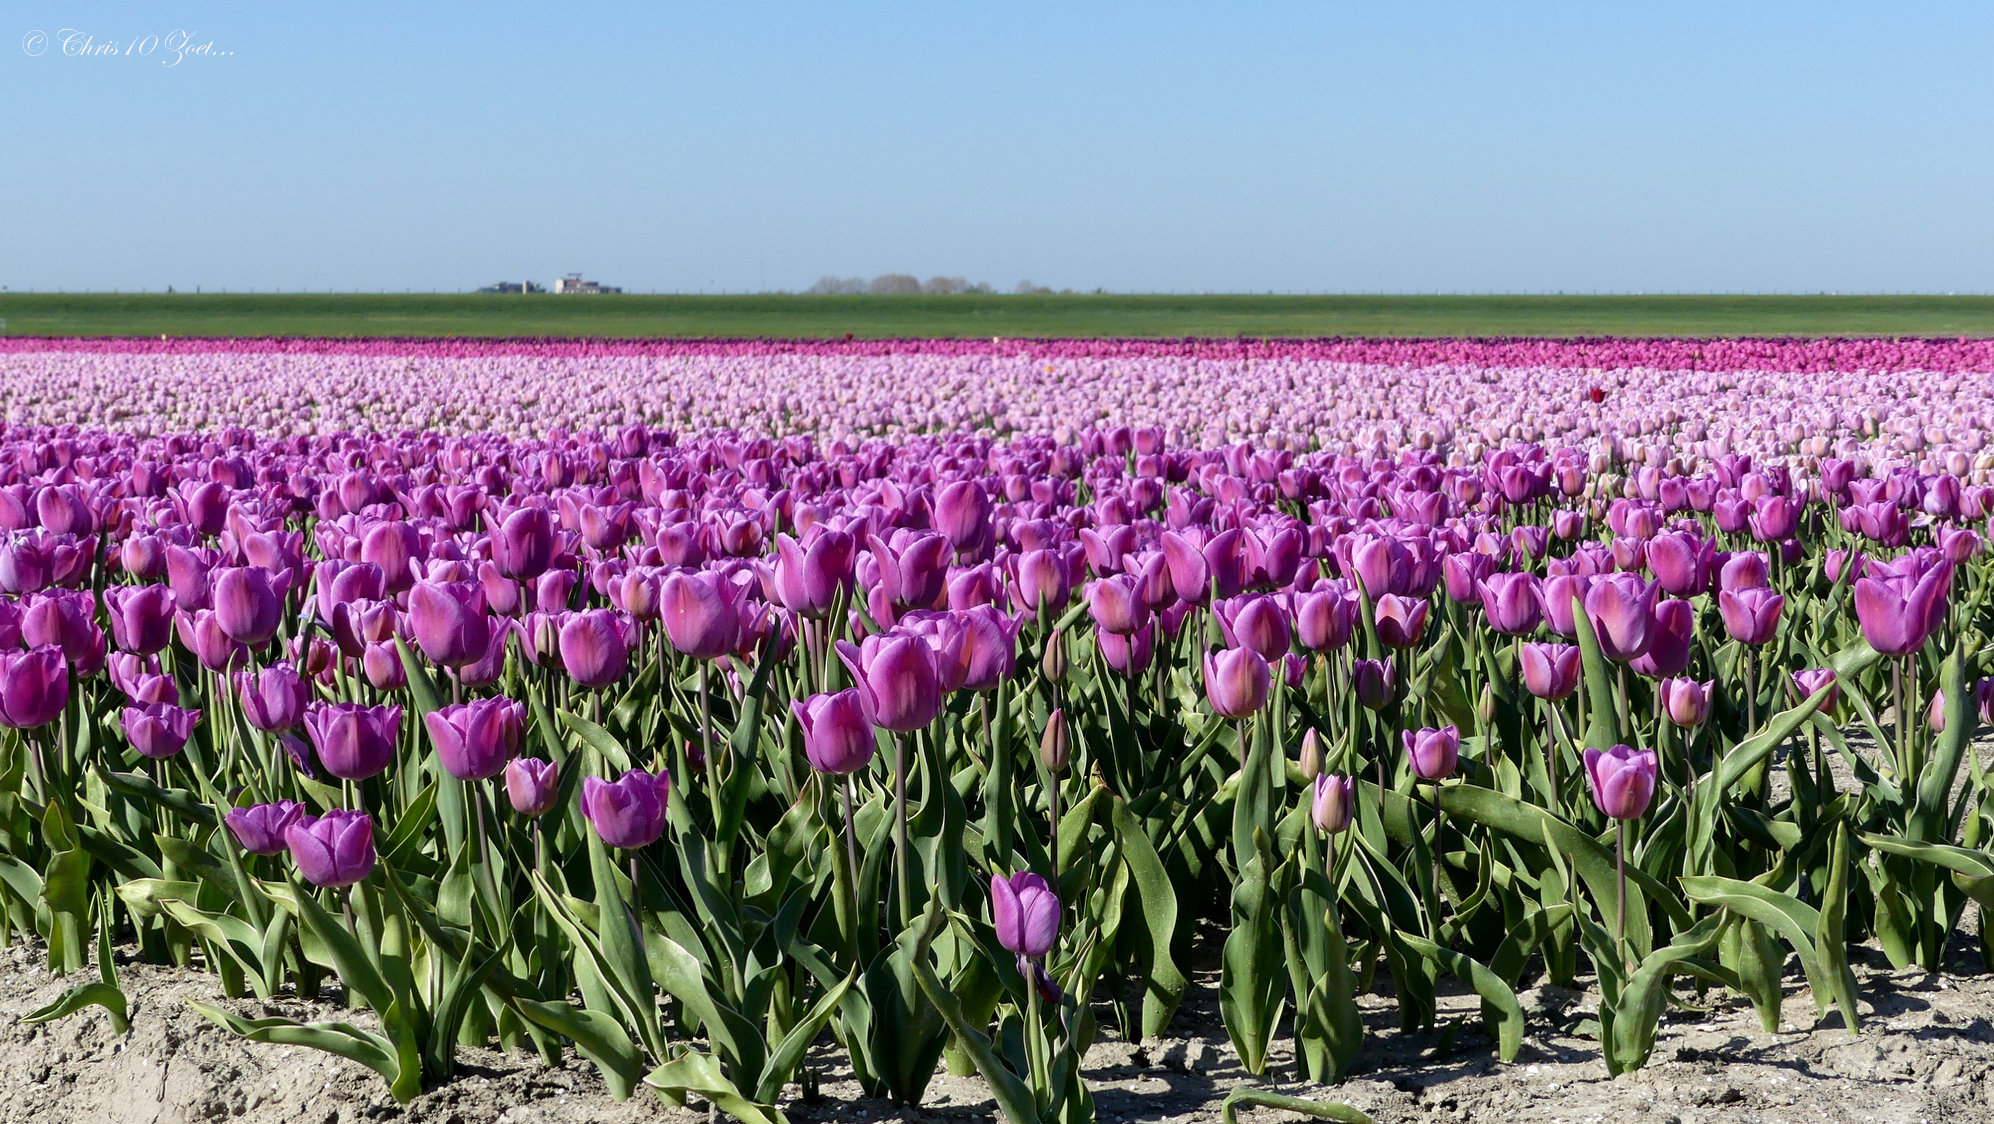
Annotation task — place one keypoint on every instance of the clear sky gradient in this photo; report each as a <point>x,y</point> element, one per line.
<point>1139,147</point>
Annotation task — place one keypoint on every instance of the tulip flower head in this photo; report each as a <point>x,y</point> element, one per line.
<point>333,850</point>
<point>259,828</point>
<point>532,785</point>
<point>475,740</point>
<point>627,813</point>
<point>1434,753</point>
<point>1622,780</point>
<point>1333,802</point>
<point>1237,681</point>
<point>159,730</point>
<point>1025,910</point>
<point>837,737</point>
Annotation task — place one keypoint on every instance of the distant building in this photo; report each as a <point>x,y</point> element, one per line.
<point>573,283</point>
<point>514,287</point>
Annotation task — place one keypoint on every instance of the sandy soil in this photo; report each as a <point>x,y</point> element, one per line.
<point>1925,1054</point>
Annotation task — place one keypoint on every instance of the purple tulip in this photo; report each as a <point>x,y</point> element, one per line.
<point>34,687</point>
<point>1899,613</point>
<point>382,665</point>
<point>1117,605</point>
<point>808,577</point>
<point>1041,581</point>
<point>1550,671</point>
<point>1686,702</point>
<point>962,513</point>
<point>899,686</point>
<point>141,617</point>
<point>158,730</point>
<point>1511,603</point>
<point>1671,643</point>
<point>1805,683</point>
<point>1556,595</point>
<point>990,647</point>
<point>1254,621</point>
<point>1621,608</point>
<point>1236,682</point>
<point>474,740</point>
<point>1025,909</point>
<point>259,828</point>
<point>627,813</point>
<point>1622,780</point>
<point>248,606</point>
<point>352,741</point>
<point>532,785</point>
<point>1334,800</point>
<point>1681,562</point>
<point>837,738</point>
<point>1401,621</point>
<point>1323,620</point>
<point>337,582</point>
<point>1375,681</point>
<point>1465,571</point>
<point>594,650</point>
<point>140,679</point>
<point>336,849</point>
<point>702,614</point>
<point>523,545</point>
<point>1434,753</point>
<point>916,575</point>
<point>449,621</point>
<point>273,699</point>
<point>1751,614</point>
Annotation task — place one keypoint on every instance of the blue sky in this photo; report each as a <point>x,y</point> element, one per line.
<point>1185,147</point>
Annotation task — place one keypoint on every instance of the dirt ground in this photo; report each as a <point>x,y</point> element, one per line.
<point>1925,1054</point>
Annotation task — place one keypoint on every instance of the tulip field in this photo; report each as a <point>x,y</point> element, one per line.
<point>684,710</point>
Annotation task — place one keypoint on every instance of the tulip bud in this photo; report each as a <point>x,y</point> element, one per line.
<point>1056,744</point>
<point>1374,681</point>
<point>1334,799</point>
<point>532,785</point>
<point>1311,763</point>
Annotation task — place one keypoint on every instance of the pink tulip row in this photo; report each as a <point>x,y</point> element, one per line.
<point>1666,404</point>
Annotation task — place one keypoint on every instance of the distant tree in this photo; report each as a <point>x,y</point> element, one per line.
<point>1027,289</point>
<point>946,285</point>
<point>830,286</point>
<point>895,284</point>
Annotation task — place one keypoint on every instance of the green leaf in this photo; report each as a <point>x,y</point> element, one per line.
<point>699,1073</point>
<point>97,993</point>
<point>599,1038</point>
<point>178,800</point>
<point>598,739</point>
<point>1795,921</point>
<point>1642,1000</point>
<point>344,1039</point>
<point>789,1053</point>
<point>1164,987</point>
<point>1602,718</point>
<point>352,962</point>
<point>1508,1023</point>
<point>1260,1098</point>
<point>1831,939</point>
<point>1590,858</point>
